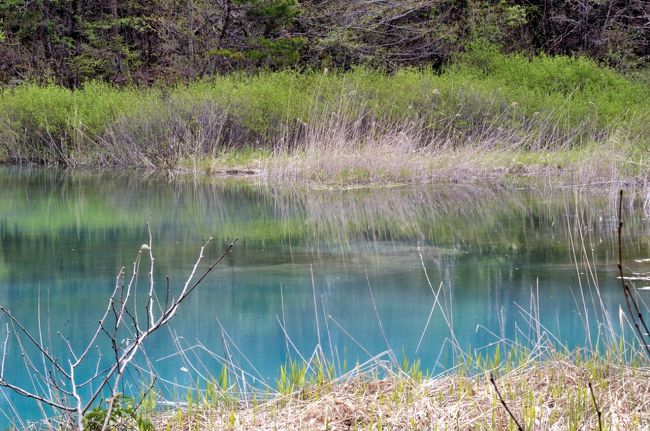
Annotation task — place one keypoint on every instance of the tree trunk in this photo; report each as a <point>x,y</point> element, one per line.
<point>112,8</point>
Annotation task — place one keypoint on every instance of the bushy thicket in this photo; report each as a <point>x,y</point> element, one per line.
<point>539,102</point>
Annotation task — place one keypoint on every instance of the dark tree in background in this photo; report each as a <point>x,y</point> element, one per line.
<point>71,41</point>
<point>143,41</point>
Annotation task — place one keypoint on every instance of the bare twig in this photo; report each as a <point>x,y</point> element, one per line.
<point>600,414</point>
<point>381,326</point>
<point>313,289</point>
<point>630,300</point>
<point>58,386</point>
<point>31,338</point>
<point>503,403</point>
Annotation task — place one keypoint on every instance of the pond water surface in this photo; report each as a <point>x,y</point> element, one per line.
<point>484,250</point>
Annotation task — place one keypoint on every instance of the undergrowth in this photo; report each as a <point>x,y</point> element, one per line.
<point>485,101</point>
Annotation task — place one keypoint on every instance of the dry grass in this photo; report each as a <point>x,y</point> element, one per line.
<point>552,394</point>
<point>334,152</point>
<point>335,159</point>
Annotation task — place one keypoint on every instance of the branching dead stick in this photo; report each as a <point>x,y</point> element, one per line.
<point>77,399</point>
<point>125,298</point>
<point>503,403</point>
<point>629,298</point>
<point>635,303</point>
<point>129,351</point>
<point>600,414</point>
<point>149,308</point>
<point>205,274</point>
<point>98,374</point>
<point>24,393</point>
<point>4,351</point>
<point>67,343</point>
<point>167,294</point>
<point>39,346</point>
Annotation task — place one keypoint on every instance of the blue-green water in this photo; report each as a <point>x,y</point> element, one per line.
<point>64,237</point>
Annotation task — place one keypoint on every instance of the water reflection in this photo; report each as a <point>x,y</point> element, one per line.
<point>64,236</point>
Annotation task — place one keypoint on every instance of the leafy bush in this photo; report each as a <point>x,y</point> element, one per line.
<point>519,98</point>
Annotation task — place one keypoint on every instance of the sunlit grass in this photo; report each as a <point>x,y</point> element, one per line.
<point>545,389</point>
<point>413,125</point>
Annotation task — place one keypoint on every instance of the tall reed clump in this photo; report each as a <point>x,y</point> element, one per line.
<point>527,383</point>
<point>485,101</point>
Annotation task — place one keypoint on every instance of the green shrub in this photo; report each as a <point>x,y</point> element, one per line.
<point>541,101</point>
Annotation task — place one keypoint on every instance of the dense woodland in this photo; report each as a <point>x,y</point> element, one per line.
<point>146,41</point>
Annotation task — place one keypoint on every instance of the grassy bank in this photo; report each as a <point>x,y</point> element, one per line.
<point>553,393</point>
<point>488,115</point>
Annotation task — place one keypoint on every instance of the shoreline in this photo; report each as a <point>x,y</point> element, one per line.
<point>553,392</point>
<point>543,387</point>
<point>590,167</point>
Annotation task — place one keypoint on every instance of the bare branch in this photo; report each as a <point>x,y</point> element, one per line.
<point>39,346</point>
<point>111,303</point>
<point>24,393</point>
<point>57,386</point>
<point>129,351</point>
<point>149,306</point>
<point>630,300</point>
<point>503,403</point>
<point>4,352</point>
<point>600,414</point>
<point>67,343</point>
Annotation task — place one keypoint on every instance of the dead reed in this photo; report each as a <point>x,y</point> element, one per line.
<point>552,393</point>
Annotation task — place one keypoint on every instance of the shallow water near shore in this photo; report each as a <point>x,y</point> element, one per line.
<point>483,251</point>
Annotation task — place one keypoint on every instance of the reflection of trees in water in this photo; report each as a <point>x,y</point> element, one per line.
<point>101,211</point>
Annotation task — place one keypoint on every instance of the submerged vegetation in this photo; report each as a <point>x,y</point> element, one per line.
<point>489,114</point>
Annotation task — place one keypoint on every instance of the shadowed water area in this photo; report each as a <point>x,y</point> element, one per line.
<point>486,252</point>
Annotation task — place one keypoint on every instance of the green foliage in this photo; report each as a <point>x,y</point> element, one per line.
<point>525,96</point>
<point>293,376</point>
<point>76,41</point>
<point>412,369</point>
<point>275,13</point>
<point>493,21</point>
<point>575,88</point>
<point>280,53</point>
<point>123,416</point>
<point>62,110</point>
<point>227,53</point>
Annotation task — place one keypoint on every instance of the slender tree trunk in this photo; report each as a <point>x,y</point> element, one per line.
<point>112,8</point>
<point>77,34</point>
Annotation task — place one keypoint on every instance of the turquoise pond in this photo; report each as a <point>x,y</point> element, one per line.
<point>492,254</point>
